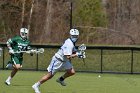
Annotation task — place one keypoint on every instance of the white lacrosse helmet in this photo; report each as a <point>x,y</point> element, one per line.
<point>24,33</point>
<point>74,35</point>
<point>74,32</point>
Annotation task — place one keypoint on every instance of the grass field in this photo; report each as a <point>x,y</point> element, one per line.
<point>80,83</point>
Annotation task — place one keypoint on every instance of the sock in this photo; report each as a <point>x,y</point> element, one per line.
<point>38,83</point>
<point>61,78</point>
<point>9,78</point>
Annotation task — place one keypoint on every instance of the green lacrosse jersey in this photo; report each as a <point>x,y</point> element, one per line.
<point>19,44</point>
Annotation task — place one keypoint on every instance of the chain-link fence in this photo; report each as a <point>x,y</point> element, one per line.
<point>98,59</point>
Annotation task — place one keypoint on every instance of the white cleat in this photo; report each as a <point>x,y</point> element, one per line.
<point>61,82</point>
<point>7,82</point>
<point>36,88</point>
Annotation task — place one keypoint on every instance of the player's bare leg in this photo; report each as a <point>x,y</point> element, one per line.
<point>46,77</point>
<point>41,81</point>
<point>14,71</point>
<point>69,72</point>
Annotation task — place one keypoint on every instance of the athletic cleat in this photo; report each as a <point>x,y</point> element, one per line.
<point>7,82</point>
<point>36,88</point>
<point>61,82</point>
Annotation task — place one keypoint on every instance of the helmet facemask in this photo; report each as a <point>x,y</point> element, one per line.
<point>74,38</point>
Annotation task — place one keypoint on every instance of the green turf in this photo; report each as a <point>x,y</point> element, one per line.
<point>80,83</point>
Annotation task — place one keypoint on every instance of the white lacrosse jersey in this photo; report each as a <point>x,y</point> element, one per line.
<point>66,49</point>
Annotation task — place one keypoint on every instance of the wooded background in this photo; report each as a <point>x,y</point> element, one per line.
<point>100,22</point>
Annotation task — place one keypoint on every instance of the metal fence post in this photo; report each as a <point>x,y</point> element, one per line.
<point>101,60</point>
<point>37,61</point>
<point>132,61</point>
<point>3,56</point>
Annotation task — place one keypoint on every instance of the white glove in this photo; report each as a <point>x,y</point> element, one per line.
<point>32,51</point>
<point>84,55</point>
<point>79,53</point>
<point>11,51</point>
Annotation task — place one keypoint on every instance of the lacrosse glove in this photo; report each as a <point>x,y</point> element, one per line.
<point>81,54</point>
<point>11,51</point>
<point>30,52</point>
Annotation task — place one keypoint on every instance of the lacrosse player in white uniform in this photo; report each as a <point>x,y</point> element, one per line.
<point>62,59</point>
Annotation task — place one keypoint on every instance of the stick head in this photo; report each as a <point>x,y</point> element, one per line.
<point>41,50</point>
<point>82,47</point>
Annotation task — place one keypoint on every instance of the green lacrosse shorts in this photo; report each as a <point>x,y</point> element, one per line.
<point>16,60</point>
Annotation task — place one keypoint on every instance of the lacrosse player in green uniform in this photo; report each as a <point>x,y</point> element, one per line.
<point>15,45</point>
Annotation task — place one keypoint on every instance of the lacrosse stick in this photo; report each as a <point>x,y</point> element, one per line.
<point>37,51</point>
<point>82,49</point>
<point>40,50</point>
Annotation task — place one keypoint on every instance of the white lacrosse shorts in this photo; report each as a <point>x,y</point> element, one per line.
<point>56,65</point>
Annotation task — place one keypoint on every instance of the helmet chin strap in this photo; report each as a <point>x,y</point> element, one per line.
<point>72,41</point>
